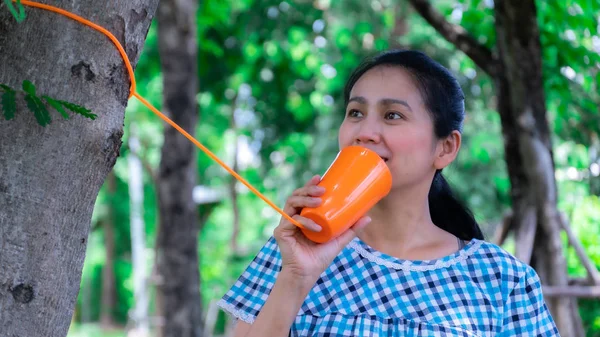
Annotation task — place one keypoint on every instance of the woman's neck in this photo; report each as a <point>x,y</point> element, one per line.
<point>401,226</point>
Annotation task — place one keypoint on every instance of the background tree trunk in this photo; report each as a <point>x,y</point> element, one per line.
<point>138,239</point>
<point>109,296</point>
<point>529,157</point>
<point>517,71</point>
<point>50,177</point>
<point>178,234</point>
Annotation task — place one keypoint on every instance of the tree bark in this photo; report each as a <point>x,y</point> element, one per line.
<point>573,291</point>
<point>50,177</point>
<point>517,72</point>
<point>528,148</point>
<point>178,235</point>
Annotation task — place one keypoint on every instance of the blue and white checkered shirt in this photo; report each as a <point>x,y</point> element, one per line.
<point>481,290</point>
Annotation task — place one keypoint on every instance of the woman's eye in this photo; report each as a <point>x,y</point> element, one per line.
<point>393,115</point>
<point>354,113</point>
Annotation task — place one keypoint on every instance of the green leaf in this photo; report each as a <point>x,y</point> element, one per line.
<point>39,109</point>
<point>29,87</point>
<point>20,15</point>
<point>78,109</point>
<point>8,101</point>
<point>6,87</point>
<point>57,106</point>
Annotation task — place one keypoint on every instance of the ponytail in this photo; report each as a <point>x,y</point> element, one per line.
<point>448,213</point>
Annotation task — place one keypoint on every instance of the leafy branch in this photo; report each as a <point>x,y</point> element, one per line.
<point>20,14</point>
<point>458,36</point>
<point>37,105</point>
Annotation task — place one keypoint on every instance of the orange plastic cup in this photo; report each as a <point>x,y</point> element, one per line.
<point>356,180</point>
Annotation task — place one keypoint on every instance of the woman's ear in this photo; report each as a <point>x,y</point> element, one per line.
<point>447,150</point>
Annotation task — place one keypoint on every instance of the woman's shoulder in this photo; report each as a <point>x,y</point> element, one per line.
<point>497,268</point>
<point>492,257</point>
<point>481,255</point>
<point>479,263</point>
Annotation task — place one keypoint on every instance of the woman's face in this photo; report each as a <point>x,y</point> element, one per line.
<point>386,113</point>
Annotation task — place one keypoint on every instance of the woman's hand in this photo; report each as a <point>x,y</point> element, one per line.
<point>301,257</point>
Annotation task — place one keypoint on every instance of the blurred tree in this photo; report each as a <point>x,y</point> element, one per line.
<point>108,272</point>
<point>516,67</point>
<point>50,177</point>
<point>139,313</point>
<point>177,241</point>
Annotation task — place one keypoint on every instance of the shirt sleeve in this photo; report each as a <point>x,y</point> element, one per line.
<point>249,293</point>
<point>526,313</point>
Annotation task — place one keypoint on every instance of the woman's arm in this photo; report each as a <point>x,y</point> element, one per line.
<point>302,263</point>
<point>280,310</point>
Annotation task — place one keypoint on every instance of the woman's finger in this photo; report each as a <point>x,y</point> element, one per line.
<point>286,227</point>
<point>304,197</point>
<point>350,234</point>
<point>304,201</point>
<point>310,187</point>
<point>308,223</point>
<point>293,204</point>
<point>361,223</point>
<point>314,180</point>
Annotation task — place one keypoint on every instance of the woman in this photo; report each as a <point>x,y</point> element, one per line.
<point>416,264</point>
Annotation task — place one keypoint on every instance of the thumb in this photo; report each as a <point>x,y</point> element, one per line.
<point>345,238</point>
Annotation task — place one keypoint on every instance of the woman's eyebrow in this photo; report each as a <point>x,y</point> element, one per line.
<point>358,99</point>
<point>384,101</point>
<point>390,101</point>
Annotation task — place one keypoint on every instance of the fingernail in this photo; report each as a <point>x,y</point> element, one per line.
<point>316,200</point>
<point>316,228</point>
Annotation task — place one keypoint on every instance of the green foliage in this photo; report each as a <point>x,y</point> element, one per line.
<point>8,102</point>
<point>19,12</point>
<point>92,330</point>
<point>35,104</point>
<point>568,30</point>
<point>78,109</point>
<point>585,218</point>
<point>57,106</point>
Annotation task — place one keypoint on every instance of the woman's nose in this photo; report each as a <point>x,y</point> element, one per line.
<point>368,133</point>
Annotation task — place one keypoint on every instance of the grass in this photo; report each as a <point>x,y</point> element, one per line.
<point>93,330</point>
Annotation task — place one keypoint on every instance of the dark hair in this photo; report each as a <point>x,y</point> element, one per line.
<point>444,100</point>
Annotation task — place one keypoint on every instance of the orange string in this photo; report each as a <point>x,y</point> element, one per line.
<point>133,92</point>
<point>96,27</point>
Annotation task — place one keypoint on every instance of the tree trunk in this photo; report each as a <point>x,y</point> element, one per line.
<point>517,72</point>
<point>109,298</point>
<point>138,238</point>
<point>50,177</point>
<point>528,149</point>
<point>177,240</point>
